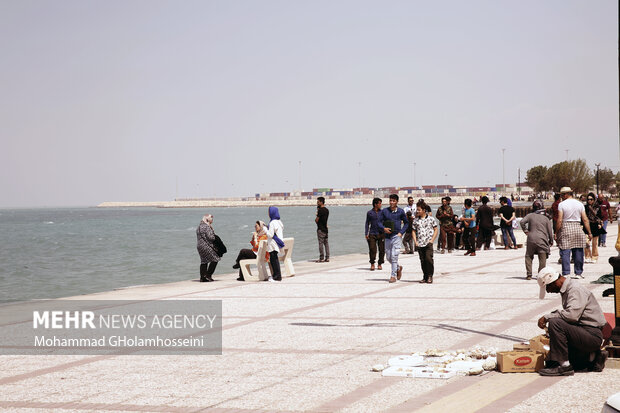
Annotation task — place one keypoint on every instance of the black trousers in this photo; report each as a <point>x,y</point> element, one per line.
<point>244,254</point>
<point>426,260</point>
<point>570,342</point>
<point>373,241</point>
<point>469,239</point>
<point>484,237</point>
<point>275,266</point>
<point>207,270</point>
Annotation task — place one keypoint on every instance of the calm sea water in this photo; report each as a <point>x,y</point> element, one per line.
<point>51,253</point>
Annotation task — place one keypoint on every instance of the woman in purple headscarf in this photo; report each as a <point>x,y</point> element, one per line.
<point>206,249</point>
<point>275,235</point>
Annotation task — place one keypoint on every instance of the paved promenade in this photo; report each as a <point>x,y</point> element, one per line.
<point>307,345</point>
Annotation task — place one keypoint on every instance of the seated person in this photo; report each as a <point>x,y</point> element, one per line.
<point>575,331</point>
<point>250,254</point>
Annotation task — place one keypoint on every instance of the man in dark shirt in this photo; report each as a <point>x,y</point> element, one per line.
<point>374,235</point>
<point>606,213</point>
<point>390,222</point>
<point>557,198</point>
<point>445,215</point>
<point>484,220</point>
<point>322,214</point>
<point>506,216</point>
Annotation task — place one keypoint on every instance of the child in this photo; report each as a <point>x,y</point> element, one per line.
<point>424,234</point>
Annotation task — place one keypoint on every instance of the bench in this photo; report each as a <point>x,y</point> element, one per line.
<point>285,256</point>
<point>259,262</point>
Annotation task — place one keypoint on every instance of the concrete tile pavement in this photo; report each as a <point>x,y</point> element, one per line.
<point>307,344</point>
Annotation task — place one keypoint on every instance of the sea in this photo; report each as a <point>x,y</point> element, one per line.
<point>60,252</point>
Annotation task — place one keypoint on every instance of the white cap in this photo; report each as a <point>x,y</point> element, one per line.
<point>546,276</point>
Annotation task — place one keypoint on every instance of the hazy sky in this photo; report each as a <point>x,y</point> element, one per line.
<point>126,100</point>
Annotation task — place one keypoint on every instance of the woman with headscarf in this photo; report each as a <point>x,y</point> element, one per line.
<point>249,254</point>
<point>206,249</point>
<point>275,235</point>
<point>539,230</point>
<point>595,216</point>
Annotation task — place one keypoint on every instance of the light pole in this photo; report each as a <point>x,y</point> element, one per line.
<point>503,174</point>
<point>414,185</point>
<point>300,176</point>
<point>597,187</point>
<point>359,174</point>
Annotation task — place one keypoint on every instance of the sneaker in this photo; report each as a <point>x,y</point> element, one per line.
<point>529,277</point>
<point>422,281</point>
<point>443,252</point>
<point>450,251</point>
<point>271,280</point>
<point>399,272</point>
<point>599,361</point>
<point>326,260</point>
<point>392,280</point>
<point>557,371</point>
<point>467,253</point>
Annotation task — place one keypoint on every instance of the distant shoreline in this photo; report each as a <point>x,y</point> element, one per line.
<point>456,200</point>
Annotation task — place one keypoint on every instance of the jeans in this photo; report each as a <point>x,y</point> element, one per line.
<point>392,250</point>
<point>508,231</point>
<point>603,237</point>
<point>375,240</point>
<point>577,258</point>
<point>426,261</point>
<point>323,245</point>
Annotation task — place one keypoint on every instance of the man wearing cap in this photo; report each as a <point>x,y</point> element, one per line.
<point>575,334</point>
<point>569,234</point>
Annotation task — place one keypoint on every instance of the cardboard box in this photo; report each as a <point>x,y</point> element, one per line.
<point>521,347</point>
<point>519,361</point>
<point>540,344</point>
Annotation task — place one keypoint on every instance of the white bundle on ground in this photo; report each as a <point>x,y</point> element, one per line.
<point>442,364</point>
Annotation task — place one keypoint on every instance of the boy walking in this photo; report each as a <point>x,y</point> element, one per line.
<point>469,228</point>
<point>374,235</point>
<point>394,223</point>
<point>424,234</point>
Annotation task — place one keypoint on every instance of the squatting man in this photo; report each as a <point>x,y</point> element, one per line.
<point>575,331</point>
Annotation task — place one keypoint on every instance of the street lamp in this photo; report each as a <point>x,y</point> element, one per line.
<point>597,187</point>
<point>503,174</point>
<point>414,185</point>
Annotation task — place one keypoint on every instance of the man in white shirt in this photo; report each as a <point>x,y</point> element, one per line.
<point>569,233</point>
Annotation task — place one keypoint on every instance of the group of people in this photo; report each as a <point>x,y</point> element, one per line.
<point>576,332</point>
<point>210,254</point>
